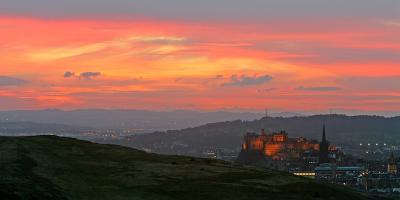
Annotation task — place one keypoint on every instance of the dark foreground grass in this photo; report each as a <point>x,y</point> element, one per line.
<point>48,167</point>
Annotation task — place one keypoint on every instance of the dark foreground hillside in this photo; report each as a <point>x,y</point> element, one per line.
<point>48,167</point>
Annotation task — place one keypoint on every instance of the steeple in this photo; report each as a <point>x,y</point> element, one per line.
<point>324,148</point>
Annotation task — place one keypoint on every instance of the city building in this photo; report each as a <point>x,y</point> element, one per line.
<point>380,183</point>
<point>307,174</point>
<point>279,151</point>
<point>277,146</point>
<point>344,175</point>
<point>392,165</point>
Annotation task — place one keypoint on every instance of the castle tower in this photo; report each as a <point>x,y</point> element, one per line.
<point>392,165</point>
<point>324,148</point>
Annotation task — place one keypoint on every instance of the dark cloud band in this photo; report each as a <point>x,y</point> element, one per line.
<point>83,75</point>
<point>245,80</point>
<point>205,9</point>
<point>11,81</point>
<point>326,88</point>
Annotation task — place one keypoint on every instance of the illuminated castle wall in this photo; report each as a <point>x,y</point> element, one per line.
<point>278,145</point>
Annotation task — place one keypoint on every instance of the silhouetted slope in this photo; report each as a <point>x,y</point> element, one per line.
<point>49,167</point>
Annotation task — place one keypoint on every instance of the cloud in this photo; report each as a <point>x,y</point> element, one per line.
<point>267,90</point>
<point>69,74</point>
<point>321,89</point>
<point>245,80</point>
<point>11,81</point>
<point>319,52</point>
<point>157,44</point>
<point>219,76</point>
<point>372,83</point>
<point>392,23</point>
<point>83,75</point>
<point>89,75</point>
<point>157,39</point>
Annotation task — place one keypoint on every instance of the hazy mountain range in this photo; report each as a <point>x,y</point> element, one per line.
<point>146,121</point>
<point>12,128</point>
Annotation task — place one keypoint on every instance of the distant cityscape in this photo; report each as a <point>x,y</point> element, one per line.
<point>369,165</point>
<point>323,161</point>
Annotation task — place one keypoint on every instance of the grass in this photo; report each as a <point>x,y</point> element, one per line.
<point>49,167</point>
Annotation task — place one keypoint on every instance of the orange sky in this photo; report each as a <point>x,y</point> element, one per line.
<point>289,64</point>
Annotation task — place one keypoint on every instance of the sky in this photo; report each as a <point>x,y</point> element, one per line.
<point>303,55</point>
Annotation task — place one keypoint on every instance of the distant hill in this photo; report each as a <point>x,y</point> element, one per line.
<point>147,121</point>
<point>49,167</point>
<point>340,129</point>
<point>12,128</point>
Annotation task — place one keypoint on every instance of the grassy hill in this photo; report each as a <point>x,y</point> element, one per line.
<point>49,167</point>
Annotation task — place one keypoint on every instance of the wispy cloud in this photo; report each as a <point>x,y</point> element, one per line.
<point>157,39</point>
<point>320,88</point>
<point>65,52</point>
<point>244,80</point>
<point>395,23</point>
<point>160,44</point>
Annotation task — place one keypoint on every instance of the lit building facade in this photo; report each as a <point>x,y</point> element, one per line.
<point>278,146</point>
<point>392,165</point>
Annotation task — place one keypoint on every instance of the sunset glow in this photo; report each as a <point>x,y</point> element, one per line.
<point>294,63</point>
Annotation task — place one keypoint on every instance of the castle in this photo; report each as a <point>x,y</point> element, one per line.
<point>279,147</point>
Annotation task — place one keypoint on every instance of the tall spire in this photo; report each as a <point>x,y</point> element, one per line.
<point>324,148</point>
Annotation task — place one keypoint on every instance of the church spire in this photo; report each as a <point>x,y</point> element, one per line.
<point>324,148</point>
